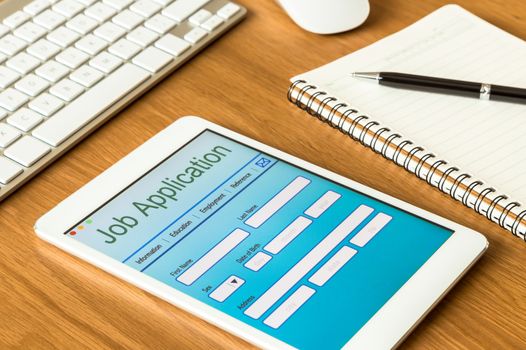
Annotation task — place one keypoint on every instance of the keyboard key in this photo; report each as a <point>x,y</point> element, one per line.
<point>4,30</point>
<point>63,36</point>
<point>43,49</point>
<point>145,8</point>
<point>52,71</point>
<point>23,63</point>
<point>25,119</point>
<point>160,24</point>
<point>37,6</point>
<point>118,4</point>
<point>49,19</point>
<point>30,32</point>
<point>172,44</point>
<point>11,45</point>
<point>3,114</point>
<point>74,116</point>
<point>31,85</point>
<point>228,10</point>
<point>106,62</point>
<point>16,19</point>
<point>12,99</point>
<point>27,151</point>
<point>46,104</point>
<point>8,169</point>
<point>86,2</point>
<point>212,23</point>
<point>124,49</point>
<point>195,35</point>
<point>67,90</point>
<point>68,8</point>
<point>142,36</point>
<point>163,2</point>
<point>91,44</point>
<point>7,77</point>
<point>200,17</point>
<point>110,32</point>
<point>8,135</point>
<point>82,24</point>
<point>181,9</point>
<point>86,76</point>
<point>152,59</point>
<point>128,19</point>
<point>100,12</point>
<point>72,57</point>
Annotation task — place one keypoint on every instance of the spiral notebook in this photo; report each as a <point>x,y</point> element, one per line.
<point>471,149</point>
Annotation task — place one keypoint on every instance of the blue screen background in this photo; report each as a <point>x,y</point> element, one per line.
<point>336,311</point>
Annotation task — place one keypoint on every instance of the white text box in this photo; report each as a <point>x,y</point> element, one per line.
<point>258,261</point>
<point>289,307</point>
<point>307,263</point>
<point>287,235</point>
<point>277,202</point>
<point>370,230</point>
<point>322,204</point>
<point>227,288</point>
<point>212,257</point>
<point>332,266</point>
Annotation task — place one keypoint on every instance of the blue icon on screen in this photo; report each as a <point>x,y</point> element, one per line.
<point>263,162</point>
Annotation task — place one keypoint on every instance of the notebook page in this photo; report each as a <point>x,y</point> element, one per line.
<point>486,139</point>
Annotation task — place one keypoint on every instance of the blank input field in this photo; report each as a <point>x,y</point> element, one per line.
<point>277,202</point>
<point>370,230</point>
<point>322,204</point>
<point>289,307</point>
<point>258,261</point>
<point>287,235</point>
<point>308,262</point>
<point>212,257</point>
<point>335,263</point>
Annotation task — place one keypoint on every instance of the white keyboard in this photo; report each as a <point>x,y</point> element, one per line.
<point>67,66</point>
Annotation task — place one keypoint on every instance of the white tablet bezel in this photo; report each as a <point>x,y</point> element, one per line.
<point>385,329</point>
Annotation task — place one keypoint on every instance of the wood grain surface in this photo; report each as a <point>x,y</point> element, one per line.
<point>49,299</point>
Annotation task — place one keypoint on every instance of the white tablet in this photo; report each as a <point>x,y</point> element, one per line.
<point>269,247</point>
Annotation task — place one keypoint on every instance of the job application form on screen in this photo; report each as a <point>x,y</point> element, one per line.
<point>297,256</point>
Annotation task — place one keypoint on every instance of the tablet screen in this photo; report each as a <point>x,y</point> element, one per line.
<point>295,255</point>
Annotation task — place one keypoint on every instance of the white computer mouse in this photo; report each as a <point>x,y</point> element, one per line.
<point>327,16</point>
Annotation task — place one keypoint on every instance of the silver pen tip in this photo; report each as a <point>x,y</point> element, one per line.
<point>366,75</point>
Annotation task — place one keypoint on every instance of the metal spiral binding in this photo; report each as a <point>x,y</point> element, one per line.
<point>312,99</point>
<point>399,149</point>
<point>333,112</point>
<point>322,105</point>
<point>493,205</point>
<point>516,223</point>
<point>467,193</point>
<point>445,176</point>
<point>365,130</point>
<point>352,117</point>
<point>482,195</point>
<point>505,212</point>
<point>456,184</point>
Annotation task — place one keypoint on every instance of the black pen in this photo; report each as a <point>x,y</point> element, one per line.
<point>482,91</point>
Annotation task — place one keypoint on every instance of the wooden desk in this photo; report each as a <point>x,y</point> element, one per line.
<point>52,300</point>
